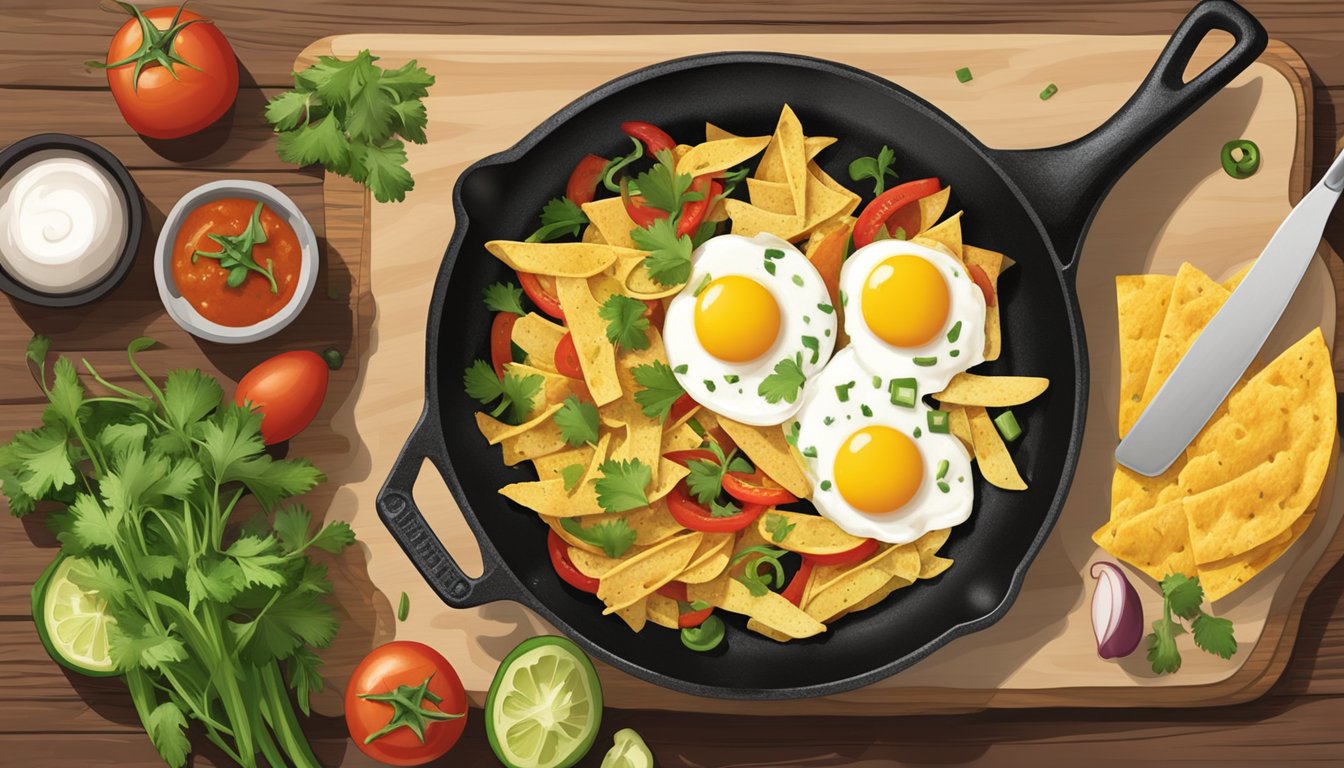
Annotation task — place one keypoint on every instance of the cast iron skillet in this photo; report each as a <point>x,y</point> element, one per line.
<point>1034,205</point>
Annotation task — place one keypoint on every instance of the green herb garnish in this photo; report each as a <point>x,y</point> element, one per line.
<point>938,422</point>
<point>577,422</point>
<point>571,474</point>
<point>964,75</point>
<point>904,392</point>
<point>1182,598</point>
<point>404,607</point>
<point>660,389</point>
<point>515,393</point>
<point>1008,426</point>
<point>627,325</point>
<point>669,259</point>
<point>621,485</point>
<point>779,527</point>
<point>785,382</point>
<point>954,332</point>
<point>875,168</point>
<point>560,217</point>
<point>235,253</point>
<point>614,537</point>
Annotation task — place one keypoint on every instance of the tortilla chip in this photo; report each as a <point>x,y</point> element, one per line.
<point>538,337</point>
<point>770,610</point>
<point>651,524</point>
<point>948,233</point>
<point>558,259</point>
<point>597,356</point>
<point>709,560</point>
<point>902,560</point>
<point>1156,541</point>
<point>931,209</point>
<point>933,567</point>
<point>639,576</point>
<point>631,273</point>
<point>593,235</point>
<point>894,583</point>
<point>663,611</point>
<point>680,438</point>
<point>990,452</point>
<point>549,498</point>
<point>549,466</point>
<point>594,565</point>
<point>959,424</point>
<point>1141,303</point>
<point>992,391</point>
<point>772,196</point>
<point>635,615</point>
<point>810,534</point>
<point>1223,577</point>
<point>749,220</point>
<point>928,545</point>
<point>610,219</point>
<point>760,628</point>
<point>993,263</point>
<point>771,453</point>
<point>1195,299</point>
<point>496,431</point>
<point>721,154</point>
<point>830,601</point>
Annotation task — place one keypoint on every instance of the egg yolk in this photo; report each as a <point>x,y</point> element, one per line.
<point>905,301</point>
<point>878,469</point>
<point>736,319</point>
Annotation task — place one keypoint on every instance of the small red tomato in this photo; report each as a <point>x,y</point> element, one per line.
<point>400,687</point>
<point>287,391</point>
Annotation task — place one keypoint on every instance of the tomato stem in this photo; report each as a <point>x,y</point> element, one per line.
<point>156,46</point>
<point>409,710</point>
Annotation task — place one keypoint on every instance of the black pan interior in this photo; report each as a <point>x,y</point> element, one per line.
<point>743,93</point>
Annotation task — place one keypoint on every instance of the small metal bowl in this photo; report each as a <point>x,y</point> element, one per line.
<point>130,197</point>
<point>181,310</point>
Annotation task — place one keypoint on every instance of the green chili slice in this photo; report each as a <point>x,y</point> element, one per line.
<point>1241,158</point>
<point>705,637</point>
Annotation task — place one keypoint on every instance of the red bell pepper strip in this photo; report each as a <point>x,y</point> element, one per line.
<point>979,277</point>
<point>655,313</point>
<point>680,408</point>
<point>564,567</point>
<point>794,591</point>
<point>676,590</point>
<point>585,177</point>
<point>693,213</point>
<point>693,454</point>
<point>545,300</point>
<point>875,216</point>
<point>690,514</point>
<point>848,557</point>
<point>567,358</point>
<point>639,213</point>
<point>750,489</point>
<point>501,340</point>
<point>655,139</point>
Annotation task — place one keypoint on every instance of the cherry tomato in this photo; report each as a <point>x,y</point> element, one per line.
<point>875,216</point>
<point>583,180</point>
<point>655,139</point>
<point>501,340</point>
<point>691,514</point>
<point>165,103</point>
<point>537,292</point>
<point>693,213</point>
<point>979,277</point>
<point>385,671</point>
<point>751,489</point>
<point>847,557</point>
<point>287,390</point>
<point>567,358</point>
<point>564,567</point>
<point>794,591</point>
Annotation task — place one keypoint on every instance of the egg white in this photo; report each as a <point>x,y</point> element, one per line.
<point>930,509</point>
<point>966,305</point>
<point>803,306</point>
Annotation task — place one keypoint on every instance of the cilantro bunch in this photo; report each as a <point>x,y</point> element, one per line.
<point>1182,597</point>
<point>348,115</point>
<point>203,612</point>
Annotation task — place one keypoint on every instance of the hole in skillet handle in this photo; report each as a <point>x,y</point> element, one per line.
<point>403,518</point>
<point>1065,184</point>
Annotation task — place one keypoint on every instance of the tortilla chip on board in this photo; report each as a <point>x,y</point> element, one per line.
<point>1141,303</point>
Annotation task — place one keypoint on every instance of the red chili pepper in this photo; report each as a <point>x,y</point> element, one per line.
<point>848,557</point>
<point>680,408</point>
<point>693,213</point>
<point>690,514</point>
<point>751,489</point>
<point>501,340</point>
<point>875,216</point>
<point>564,567</point>
<point>583,180</point>
<point>567,358</point>
<point>692,454</point>
<point>655,139</point>
<point>794,591</point>
<point>545,300</point>
<point>639,213</point>
<point>979,277</point>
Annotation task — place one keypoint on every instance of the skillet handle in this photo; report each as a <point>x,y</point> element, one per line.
<point>1066,184</point>
<point>397,508</point>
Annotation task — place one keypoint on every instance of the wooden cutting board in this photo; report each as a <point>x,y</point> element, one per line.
<point>1176,204</point>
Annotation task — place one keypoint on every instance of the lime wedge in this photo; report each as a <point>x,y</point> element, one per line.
<point>72,623</point>
<point>629,751</point>
<point>544,706</point>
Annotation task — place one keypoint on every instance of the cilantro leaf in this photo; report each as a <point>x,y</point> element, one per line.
<point>779,527</point>
<point>1183,594</point>
<point>504,297</point>
<point>134,644</point>
<point>1162,652</point>
<point>726,509</point>
<point>669,259</point>
<point>288,110</point>
<point>577,421</point>
<point>559,217</point>
<point>665,189</point>
<point>627,326</point>
<point>189,396</point>
<point>660,389</point>
<point>705,480</point>
<point>304,678</point>
<point>621,485</point>
<point>44,461</point>
<point>323,143</point>
<point>166,726</point>
<point>785,382</point>
<point>409,81</point>
<point>875,168</point>
<point>614,537</point>
<point>572,474</point>
<point>382,168</point>
<point>515,393</point>
<point>1214,635</point>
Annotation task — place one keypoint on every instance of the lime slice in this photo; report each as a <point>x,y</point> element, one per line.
<point>629,751</point>
<point>72,623</point>
<point>544,706</point>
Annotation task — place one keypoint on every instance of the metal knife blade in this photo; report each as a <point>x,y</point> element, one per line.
<point>1226,347</point>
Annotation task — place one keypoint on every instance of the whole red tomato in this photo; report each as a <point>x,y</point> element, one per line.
<point>287,390</point>
<point>171,71</point>
<point>400,687</point>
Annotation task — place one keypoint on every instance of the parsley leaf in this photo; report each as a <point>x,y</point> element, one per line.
<point>726,509</point>
<point>627,326</point>
<point>788,378</point>
<point>621,486</point>
<point>660,389</point>
<point>1182,597</point>
<point>504,297</point>
<point>669,259</point>
<point>614,537</point>
<point>779,527</point>
<point>1183,594</point>
<point>665,189</point>
<point>515,393</point>
<point>577,421</point>
<point>875,168</point>
<point>572,474</point>
<point>559,217</point>
<point>1214,635</point>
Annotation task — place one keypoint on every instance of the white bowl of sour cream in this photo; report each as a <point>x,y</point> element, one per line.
<point>70,219</point>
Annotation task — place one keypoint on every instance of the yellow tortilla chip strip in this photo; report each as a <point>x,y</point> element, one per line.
<point>651,524</point>
<point>554,386</point>
<point>720,155</point>
<point>1195,299</point>
<point>1141,304</point>
<point>635,615</point>
<point>496,431</point>
<point>1156,541</point>
<point>597,356</point>
<point>663,611</point>
<point>639,576</point>
<point>709,560</point>
<point>830,602</point>
<point>935,566</point>
<point>749,221</point>
<point>634,277</point>
<point>558,259</point>
<point>948,233</point>
<point>959,424</point>
<point>1223,577</point>
<point>680,438</point>
<point>770,610</point>
<point>538,337</point>
<point>610,219</point>
<point>993,263</point>
<point>759,628</point>
<point>810,535</point>
<point>644,434</point>
<point>770,452</point>
<point>928,545</point>
<point>772,196</point>
<point>894,583</point>
<point>995,463</point>
<point>595,565</point>
<point>593,235</point>
<point>549,498</point>
<point>549,466</point>
<point>931,209</point>
<point>992,391</point>
<point>902,560</point>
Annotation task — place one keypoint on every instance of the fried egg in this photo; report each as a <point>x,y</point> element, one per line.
<point>752,325</point>
<point>912,312</point>
<point>879,469</point>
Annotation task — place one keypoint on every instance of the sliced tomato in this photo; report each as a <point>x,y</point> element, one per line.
<point>501,340</point>
<point>875,216</point>
<point>655,139</point>
<point>691,514</point>
<point>543,298</point>
<point>692,454</point>
<point>979,277</point>
<point>751,489</point>
<point>585,177</point>
<point>564,567</point>
<point>693,213</point>
<point>693,618</point>
<point>680,408</point>
<point>676,590</point>
<point>567,358</point>
<point>848,557</point>
<point>794,591</point>
<point>828,257</point>
<point>641,214</point>
<point>907,219</point>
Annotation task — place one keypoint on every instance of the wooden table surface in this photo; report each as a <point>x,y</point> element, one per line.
<point>47,719</point>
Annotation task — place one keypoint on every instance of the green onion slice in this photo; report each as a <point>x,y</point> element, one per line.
<point>1008,426</point>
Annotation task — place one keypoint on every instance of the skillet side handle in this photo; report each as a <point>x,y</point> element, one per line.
<point>397,508</point>
<point>1066,184</point>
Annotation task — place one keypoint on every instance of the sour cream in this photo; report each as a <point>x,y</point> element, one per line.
<point>63,222</point>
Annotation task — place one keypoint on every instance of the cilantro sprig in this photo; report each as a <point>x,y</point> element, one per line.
<point>627,325</point>
<point>622,485</point>
<point>784,382</point>
<point>515,393</point>
<point>1182,598</point>
<point>577,422</point>
<point>752,578</point>
<point>876,168</point>
<point>504,297</point>
<point>560,217</point>
<point>669,259</point>
<point>705,481</point>
<point>659,389</point>
<point>351,117</point>
<point>665,189</point>
<point>235,253</point>
<point>613,537</point>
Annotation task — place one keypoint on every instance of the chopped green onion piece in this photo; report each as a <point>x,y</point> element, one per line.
<point>827,332</point>
<point>942,469</point>
<point>904,392</point>
<point>918,432</point>
<point>810,451</point>
<point>954,353</point>
<point>954,333</point>
<point>696,426</point>
<point>797,279</point>
<point>807,319</point>
<point>770,267</point>
<point>842,391</point>
<point>1241,158</point>
<point>938,422</point>
<point>704,283</point>
<point>825,485</point>
<point>877,382</point>
<point>943,486</point>
<point>1008,426</point>
<point>827,308</point>
<point>1050,90</point>
<point>925,361</point>
<point>964,75</point>
<point>866,410</point>
<point>773,253</point>
<point>404,607</point>
<point>844,299</point>
<point>731,378</point>
<point>828,421</point>
<point>709,385</point>
<point>814,344</point>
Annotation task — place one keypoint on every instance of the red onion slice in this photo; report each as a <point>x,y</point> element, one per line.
<point>1117,614</point>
